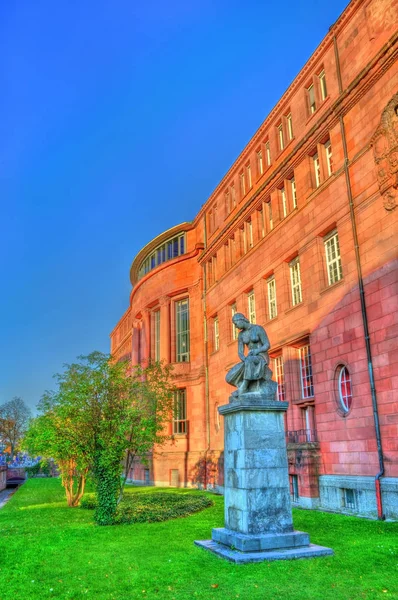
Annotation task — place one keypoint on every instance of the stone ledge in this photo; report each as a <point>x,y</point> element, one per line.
<point>247,404</point>
<point>310,551</point>
<point>261,542</point>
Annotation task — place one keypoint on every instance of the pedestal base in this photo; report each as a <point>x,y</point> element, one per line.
<point>310,551</point>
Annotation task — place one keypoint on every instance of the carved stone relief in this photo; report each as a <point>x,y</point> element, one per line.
<point>385,151</point>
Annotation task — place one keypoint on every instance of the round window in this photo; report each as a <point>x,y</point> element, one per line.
<point>344,389</point>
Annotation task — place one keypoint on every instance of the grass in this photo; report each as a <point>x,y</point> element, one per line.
<point>48,550</point>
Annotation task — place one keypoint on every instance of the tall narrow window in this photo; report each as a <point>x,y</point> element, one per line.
<point>260,165</point>
<point>317,170</point>
<point>322,81</point>
<point>180,423</point>
<point>182,330</point>
<point>284,202</point>
<point>295,281</point>
<point>268,154</point>
<point>280,137</point>
<point>329,160</point>
<point>251,306</point>
<point>249,176</point>
<point>272,306</point>
<point>270,218</point>
<point>235,332</point>
<point>249,234</point>
<point>307,383</point>
<point>289,121</point>
<point>294,192</point>
<point>227,199</point>
<point>233,196</point>
<point>231,251</point>
<point>311,99</point>
<point>333,259</point>
<point>309,424</point>
<point>262,221</point>
<point>242,184</point>
<point>216,333</point>
<point>280,377</point>
<point>156,331</point>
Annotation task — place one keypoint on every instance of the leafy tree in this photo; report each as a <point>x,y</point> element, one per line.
<point>103,415</point>
<point>14,419</point>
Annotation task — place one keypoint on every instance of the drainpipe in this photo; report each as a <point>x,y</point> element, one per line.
<point>380,514</point>
<point>206,349</point>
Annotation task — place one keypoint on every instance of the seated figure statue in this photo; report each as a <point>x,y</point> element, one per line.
<point>253,374</point>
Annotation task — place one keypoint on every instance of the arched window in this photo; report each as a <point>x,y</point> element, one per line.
<point>344,389</point>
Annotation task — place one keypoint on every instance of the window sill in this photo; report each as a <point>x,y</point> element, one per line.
<point>294,307</point>
<point>180,436</point>
<point>332,286</point>
<point>322,104</point>
<point>232,342</point>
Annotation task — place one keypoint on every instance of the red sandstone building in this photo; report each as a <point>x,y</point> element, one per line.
<point>301,236</point>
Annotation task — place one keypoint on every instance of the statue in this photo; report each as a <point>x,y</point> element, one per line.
<point>253,374</point>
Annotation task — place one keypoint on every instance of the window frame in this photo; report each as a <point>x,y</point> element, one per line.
<point>334,266</point>
<point>306,364</point>
<point>295,282</point>
<point>323,85</point>
<point>179,334</point>
<point>279,374</point>
<point>281,138</point>
<point>272,301</point>
<point>289,123</point>
<point>267,147</point>
<point>235,332</point>
<point>180,425</point>
<point>216,333</point>
<point>293,191</point>
<point>329,157</point>
<point>251,303</point>
<point>260,162</point>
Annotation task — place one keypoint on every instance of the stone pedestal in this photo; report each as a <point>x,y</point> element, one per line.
<point>258,513</point>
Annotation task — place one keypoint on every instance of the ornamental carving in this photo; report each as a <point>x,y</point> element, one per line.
<point>385,152</point>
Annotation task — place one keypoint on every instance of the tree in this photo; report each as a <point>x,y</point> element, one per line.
<point>103,414</point>
<point>14,419</point>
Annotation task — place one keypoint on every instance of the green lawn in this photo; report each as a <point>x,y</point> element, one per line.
<point>50,551</point>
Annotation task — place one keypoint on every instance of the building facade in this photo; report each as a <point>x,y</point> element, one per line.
<point>301,236</point>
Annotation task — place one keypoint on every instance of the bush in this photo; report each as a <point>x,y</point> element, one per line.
<point>43,467</point>
<point>151,508</point>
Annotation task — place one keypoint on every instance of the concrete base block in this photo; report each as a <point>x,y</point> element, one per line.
<point>257,543</point>
<point>310,551</point>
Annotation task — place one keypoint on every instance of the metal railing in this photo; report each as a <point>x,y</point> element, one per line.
<point>301,436</point>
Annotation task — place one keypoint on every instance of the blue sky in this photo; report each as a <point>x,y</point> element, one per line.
<point>118,119</point>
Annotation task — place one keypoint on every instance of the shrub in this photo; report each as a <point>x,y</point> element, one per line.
<point>43,467</point>
<point>151,508</point>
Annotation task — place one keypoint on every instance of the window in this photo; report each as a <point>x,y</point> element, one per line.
<point>293,191</point>
<point>252,307</point>
<point>270,219</point>
<point>231,251</point>
<point>235,332</point>
<point>248,235</point>
<point>216,333</point>
<point>262,221</point>
<point>344,389</point>
<point>295,280</point>
<point>260,165</point>
<point>294,490</point>
<point>272,307</point>
<point>227,198</point>
<point>268,154</point>
<point>212,270</point>
<point>156,332</point>
<point>317,170</point>
<point>242,184</point>
<point>309,424</point>
<point>333,259</point>
<point>348,498</point>
<point>322,82</point>
<point>180,423</point>
<point>280,377</point>
<point>329,161</point>
<point>307,383</point>
<point>167,251</point>
<point>289,126</point>
<point>280,137</point>
<point>249,176</point>
<point>311,99</point>
<point>182,330</point>
<point>212,218</point>
<point>233,196</point>
<point>284,202</point>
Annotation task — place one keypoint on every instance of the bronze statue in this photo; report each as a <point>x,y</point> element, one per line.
<point>253,374</point>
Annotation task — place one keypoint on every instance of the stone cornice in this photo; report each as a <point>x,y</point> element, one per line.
<point>351,95</point>
<point>298,82</point>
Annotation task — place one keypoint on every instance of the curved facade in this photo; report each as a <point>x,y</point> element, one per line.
<point>301,236</point>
